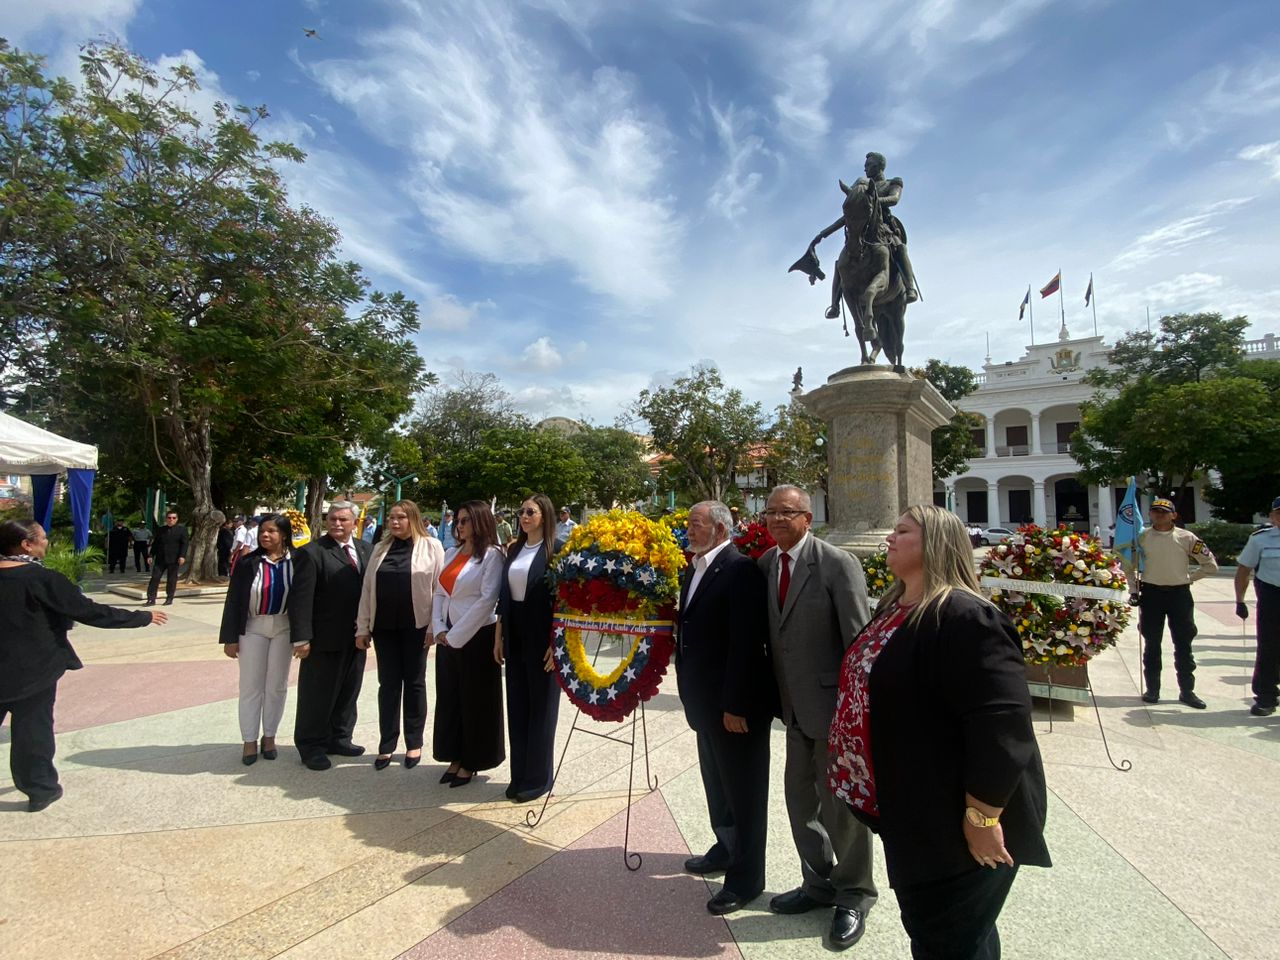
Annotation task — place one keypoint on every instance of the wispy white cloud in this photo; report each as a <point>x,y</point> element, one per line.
<point>735,186</point>
<point>513,159</point>
<point>1266,153</point>
<point>1177,234</point>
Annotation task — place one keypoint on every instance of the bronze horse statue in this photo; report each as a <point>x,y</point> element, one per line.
<point>870,285</point>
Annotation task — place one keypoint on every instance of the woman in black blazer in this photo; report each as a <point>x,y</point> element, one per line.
<point>266,622</point>
<point>525,607</point>
<point>932,744</point>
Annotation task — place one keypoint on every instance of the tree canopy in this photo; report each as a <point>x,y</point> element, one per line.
<point>952,443</point>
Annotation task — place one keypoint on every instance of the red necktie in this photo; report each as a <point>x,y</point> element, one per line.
<point>784,581</point>
<point>350,551</point>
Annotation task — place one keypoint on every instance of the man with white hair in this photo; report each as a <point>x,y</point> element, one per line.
<point>727,689</point>
<point>329,679</point>
<point>817,603</point>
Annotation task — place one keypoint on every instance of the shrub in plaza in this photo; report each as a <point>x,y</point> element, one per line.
<point>1224,540</point>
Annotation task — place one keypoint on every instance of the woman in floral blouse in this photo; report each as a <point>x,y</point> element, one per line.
<point>932,744</point>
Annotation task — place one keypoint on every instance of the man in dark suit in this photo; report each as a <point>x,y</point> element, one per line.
<point>727,688</point>
<point>329,679</point>
<point>817,604</point>
<point>168,554</point>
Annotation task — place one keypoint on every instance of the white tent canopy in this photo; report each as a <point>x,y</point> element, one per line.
<point>25,449</point>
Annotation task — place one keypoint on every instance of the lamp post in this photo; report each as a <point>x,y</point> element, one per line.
<point>399,481</point>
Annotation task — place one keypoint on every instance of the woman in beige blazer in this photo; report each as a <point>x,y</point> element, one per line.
<point>395,613</point>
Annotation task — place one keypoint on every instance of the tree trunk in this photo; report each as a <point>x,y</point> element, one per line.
<point>194,445</point>
<point>317,489</point>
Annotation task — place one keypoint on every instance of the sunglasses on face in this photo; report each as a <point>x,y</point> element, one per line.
<point>528,511</point>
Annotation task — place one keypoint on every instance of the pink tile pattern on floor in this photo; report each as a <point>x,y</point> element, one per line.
<point>1224,612</point>
<point>584,903</point>
<point>111,692</point>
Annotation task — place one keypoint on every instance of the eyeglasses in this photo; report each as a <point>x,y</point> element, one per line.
<point>783,514</point>
<point>461,520</point>
<point>528,511</point>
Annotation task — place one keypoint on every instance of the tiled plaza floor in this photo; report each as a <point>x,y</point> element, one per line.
<point>167,846</point>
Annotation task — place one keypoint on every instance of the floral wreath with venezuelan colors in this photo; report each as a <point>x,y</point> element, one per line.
<point>1072,604</point>
<point>678,524</point>
<point>301,532</point>
<point>617,575</point>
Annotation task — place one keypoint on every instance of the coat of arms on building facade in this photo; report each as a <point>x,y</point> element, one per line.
<point>1065,360</point>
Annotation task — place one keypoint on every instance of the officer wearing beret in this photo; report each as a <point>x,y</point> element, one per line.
<point>1165,594</point>
<point>1260,559</point>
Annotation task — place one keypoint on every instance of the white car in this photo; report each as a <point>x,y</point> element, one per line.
<point>995,535</point>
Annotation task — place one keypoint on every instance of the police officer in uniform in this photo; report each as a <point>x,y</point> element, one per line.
<point>1165,593</point>
<point>1260,559</point>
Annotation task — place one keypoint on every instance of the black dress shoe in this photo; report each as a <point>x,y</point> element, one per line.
<point>149,603</point>
<point>1151,696</point>
<point>510,792</point>
<point>169,602</point>
<point>381,763</point>
<point>317,763</point>
<point>1258,710</point>
<point>703,865</point>
<point>411,762</point>
<point>528,796</point>
<point>344,750</point>
<point>795,901</point>
<point>35,806</point>
<point>458,781</point>
<point>726,901</point>
<point>847,927</point>
<point>1191,700</point>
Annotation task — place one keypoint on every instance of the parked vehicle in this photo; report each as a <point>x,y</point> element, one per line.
<point>995,535</point>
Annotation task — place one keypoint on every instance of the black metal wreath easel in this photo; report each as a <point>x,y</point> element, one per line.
<point>534,817</point>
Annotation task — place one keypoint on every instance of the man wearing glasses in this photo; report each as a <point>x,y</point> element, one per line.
<point>168,554</point>
<point>817,604</point>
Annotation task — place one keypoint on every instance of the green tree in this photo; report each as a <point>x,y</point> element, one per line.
<point>705,427</point>
<point>614,459</point>
<point>185,292</point>
<point>510,463</point>
<point>952,444</point>
<point>796,448</point>
<point>1175,406</point>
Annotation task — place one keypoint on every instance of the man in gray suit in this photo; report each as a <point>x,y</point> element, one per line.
<point>817,603</point>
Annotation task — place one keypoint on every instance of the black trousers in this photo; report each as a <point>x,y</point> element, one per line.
<point>402,672</point>
<point>533,705</point>
<point>329,684</point>
<point>1266,668</point>
<point>955,919</point>
<point>31,746</point>
<point>140,556</point>
<point>1175,605</point>
<point>170,572</point>
<point>224,563</point>
<point>468,727</point>
<point>117,558</point>
<point>735,779</point>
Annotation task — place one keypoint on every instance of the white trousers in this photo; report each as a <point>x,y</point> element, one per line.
<point>265,652</point>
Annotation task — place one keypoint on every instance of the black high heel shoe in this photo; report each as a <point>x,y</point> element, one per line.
<point>381,763</point>
<point>458,781</point>
<point>411,762</point>
<point>447,777</point>
<point>268,754</point>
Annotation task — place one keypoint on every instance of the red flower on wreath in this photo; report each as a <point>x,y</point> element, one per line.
<point>755,541</point>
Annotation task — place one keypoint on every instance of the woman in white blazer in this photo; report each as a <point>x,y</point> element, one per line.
<point>395,613</point>
<point>468,727</point>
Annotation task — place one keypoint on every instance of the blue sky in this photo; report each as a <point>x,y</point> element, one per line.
<point>587,196</point>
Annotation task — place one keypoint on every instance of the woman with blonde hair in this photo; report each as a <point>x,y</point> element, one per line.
<point>468,729</point>
<point>395,614</point>
<point>932,744</point>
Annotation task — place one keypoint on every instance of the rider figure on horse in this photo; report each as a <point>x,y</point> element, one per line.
<point>891,232</point>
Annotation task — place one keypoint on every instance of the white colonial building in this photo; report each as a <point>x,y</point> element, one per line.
<point>1025,472</point>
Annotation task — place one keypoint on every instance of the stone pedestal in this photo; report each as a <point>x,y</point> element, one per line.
<point>879,458</point>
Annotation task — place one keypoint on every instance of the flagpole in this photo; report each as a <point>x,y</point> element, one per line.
<point>1031,315</point>
<point>1062,310</point>
<point>1093,300</point>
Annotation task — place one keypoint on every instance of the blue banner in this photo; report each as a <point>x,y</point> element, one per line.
<point>42,487</point>
<point>80,487</point>
<point>1129,528</point>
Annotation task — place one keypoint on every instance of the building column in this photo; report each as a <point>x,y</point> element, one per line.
<point>1038,511</point>
<point>1035,435</point>
<point>1105,509</point>
<point>991,436</point>
<point>993,504</point>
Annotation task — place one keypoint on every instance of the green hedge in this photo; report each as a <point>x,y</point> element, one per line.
<point>1226,540</point>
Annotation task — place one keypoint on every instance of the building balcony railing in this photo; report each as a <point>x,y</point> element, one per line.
<point>1017,450</point>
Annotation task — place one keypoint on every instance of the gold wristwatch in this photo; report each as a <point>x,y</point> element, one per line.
<point>978,818</point>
